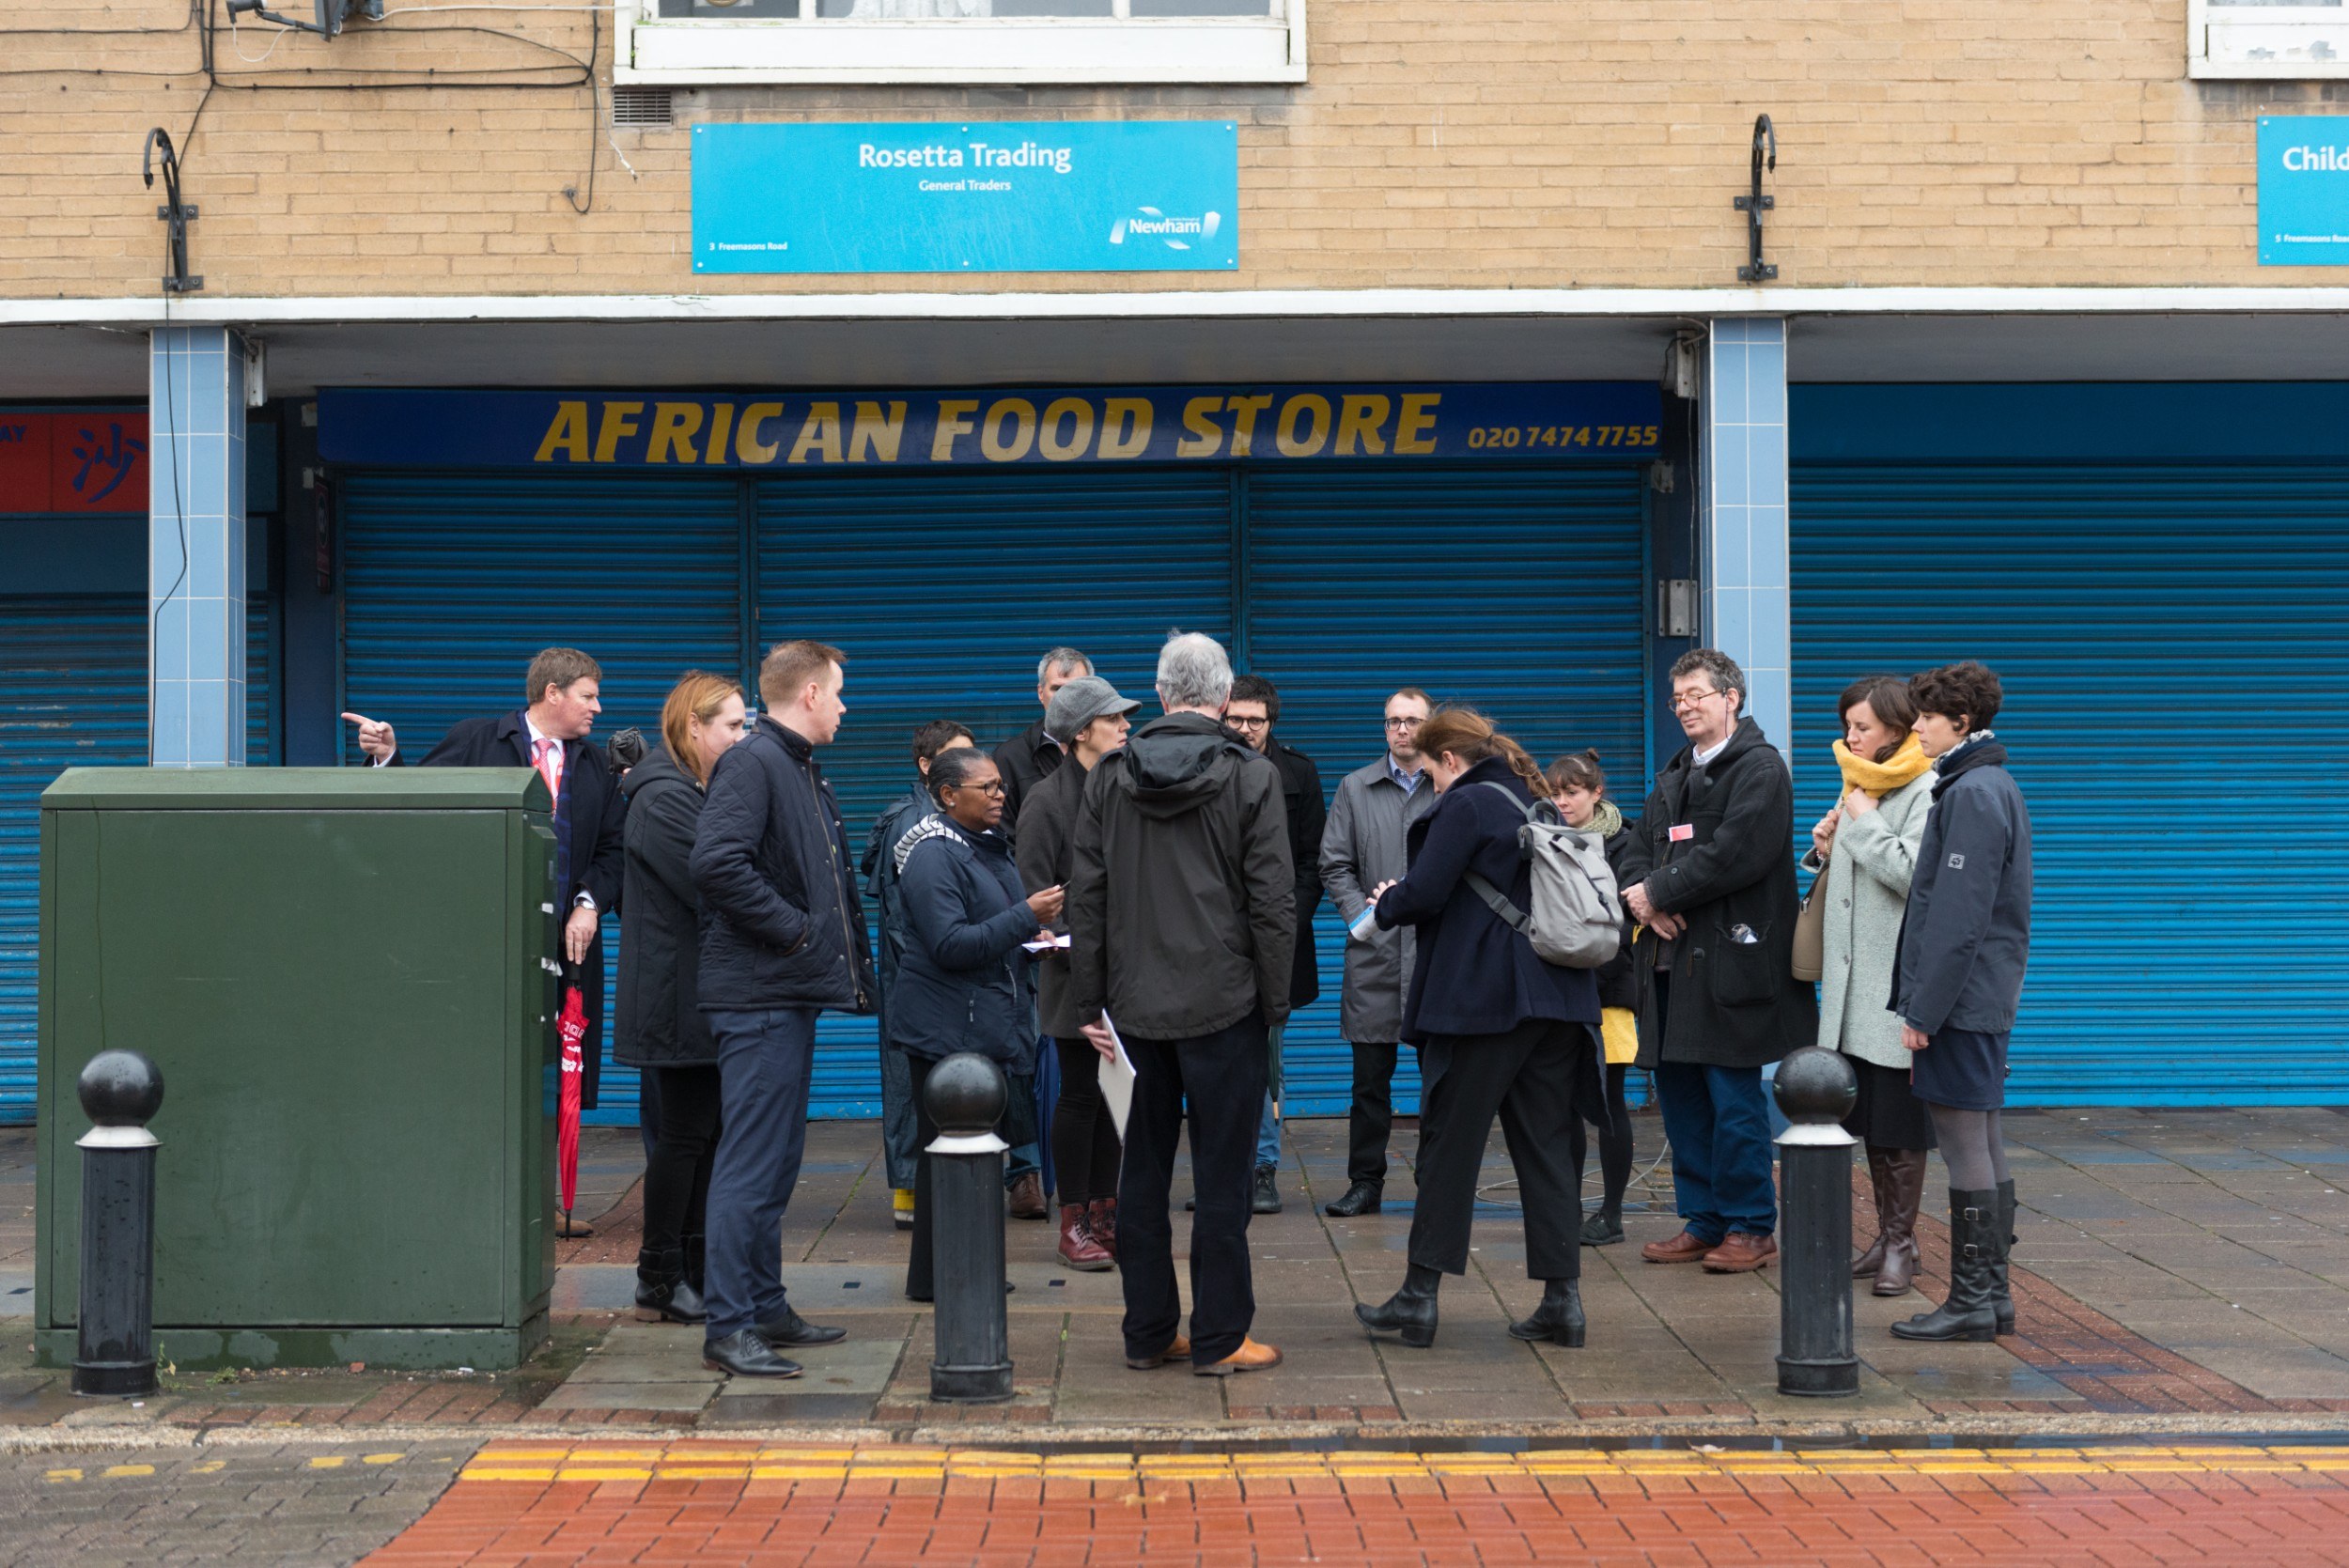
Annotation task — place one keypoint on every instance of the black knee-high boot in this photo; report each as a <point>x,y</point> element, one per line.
<point>1409,1312</point>
<point>2001,1294</point>
<point>1559,1318</point>
<point>1977,1241</point>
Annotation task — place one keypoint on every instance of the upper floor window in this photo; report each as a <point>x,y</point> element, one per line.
<point>973,42</point>
<point>2251,39</point>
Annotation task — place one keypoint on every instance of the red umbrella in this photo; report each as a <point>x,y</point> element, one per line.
<point>574,1024</point>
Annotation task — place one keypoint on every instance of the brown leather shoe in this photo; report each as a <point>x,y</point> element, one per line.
<point>1178,1350</point>
<point>1027,1198</point>
<point>1740,1254</point>
<point>1688,1246</point>
<point>569,1229</point>
<point>1250,1356</point>
<point>1078,1247</point>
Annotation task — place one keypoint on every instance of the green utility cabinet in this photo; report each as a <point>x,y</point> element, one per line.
<point>347,978</point>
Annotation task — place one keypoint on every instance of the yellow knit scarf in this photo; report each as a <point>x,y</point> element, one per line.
<point>1879,779</point>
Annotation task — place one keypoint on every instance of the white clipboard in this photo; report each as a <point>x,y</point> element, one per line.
<point>1118,1081</point>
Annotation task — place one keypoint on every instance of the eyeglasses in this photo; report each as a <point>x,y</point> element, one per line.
<point>1406,722</point>
<point>994,786</point>
<point>1259,723</point>
<point>1690,699</point>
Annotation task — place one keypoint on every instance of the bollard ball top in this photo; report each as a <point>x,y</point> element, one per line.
<point>122,1089</point>
<point>1815,1087</point>
<point>966,1094</point>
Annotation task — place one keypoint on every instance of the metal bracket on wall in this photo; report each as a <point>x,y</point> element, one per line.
<point>1753,206</point>
<point>173,211</point>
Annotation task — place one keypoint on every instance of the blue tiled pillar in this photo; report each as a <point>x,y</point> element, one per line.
<point>196,547</point>
<point>1746,598</point>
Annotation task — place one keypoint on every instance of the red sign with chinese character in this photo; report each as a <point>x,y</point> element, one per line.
<point>74,462</point>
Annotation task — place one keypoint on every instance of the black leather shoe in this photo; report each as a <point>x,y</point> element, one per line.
<point>1267,1195</point>
<point>1602,1230</point>
<point>791,1328</point>
<point>1409,1312</point>
<point>1362,1198</point>
<point>1559,1318</point>
<point>743,1354</point>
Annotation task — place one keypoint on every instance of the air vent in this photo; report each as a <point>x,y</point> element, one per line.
<point>641,106</point>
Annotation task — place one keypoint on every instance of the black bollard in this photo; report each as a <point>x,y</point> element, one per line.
<point>1816,1089</point>
<point>120,1091</point>
<point>972,1362</point>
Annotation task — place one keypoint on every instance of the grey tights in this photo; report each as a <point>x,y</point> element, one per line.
<point>1972,1146</point>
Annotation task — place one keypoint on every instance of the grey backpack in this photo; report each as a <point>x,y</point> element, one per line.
<point>1577,921</point>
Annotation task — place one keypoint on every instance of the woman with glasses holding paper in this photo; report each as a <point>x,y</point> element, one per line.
<point>963,981</point>
<point>1088,718</point>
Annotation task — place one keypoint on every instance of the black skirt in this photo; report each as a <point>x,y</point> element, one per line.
<point>1888,1113</point>
<point>1963,1069</point>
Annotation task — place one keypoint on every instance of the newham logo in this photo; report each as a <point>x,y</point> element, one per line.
<point>1152,223</point>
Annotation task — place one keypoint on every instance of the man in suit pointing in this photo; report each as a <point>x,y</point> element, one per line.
<point>563,687</point>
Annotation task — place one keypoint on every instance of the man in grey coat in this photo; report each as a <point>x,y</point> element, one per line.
<point>1362,846</point>
<point>1182,919</point>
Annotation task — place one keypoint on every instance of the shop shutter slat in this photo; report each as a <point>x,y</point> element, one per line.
<point>944,589</point>
<point>1516,590</point>
<point>453,581</point>
<point>2169,637</point>
<point>72,694</point>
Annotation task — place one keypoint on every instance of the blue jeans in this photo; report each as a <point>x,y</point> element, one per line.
<point>765,1060</point>
<point>1719,1127</point>
<point>1268,1126</point>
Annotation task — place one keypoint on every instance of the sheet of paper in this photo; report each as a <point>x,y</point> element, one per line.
<point>1046,944</point>
<point>1117,1082</point>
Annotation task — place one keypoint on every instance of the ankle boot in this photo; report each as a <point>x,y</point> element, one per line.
<point>1101,1219</point>
<point>1409,1312</point>
<point>1078,1247</point>
<point>2001,1294</point>
<point>1558,1319</point>
<point>1872,1259</point>
<point>662,1294</point>
<point>1975,1243</point>
<point>1897,1202</point>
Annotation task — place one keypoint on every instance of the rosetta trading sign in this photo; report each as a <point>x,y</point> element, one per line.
<point>989,197</point>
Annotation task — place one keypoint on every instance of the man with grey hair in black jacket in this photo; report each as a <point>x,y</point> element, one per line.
<point>1182,917</point>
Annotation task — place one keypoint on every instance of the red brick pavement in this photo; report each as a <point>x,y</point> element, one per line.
<point>710,1505</point>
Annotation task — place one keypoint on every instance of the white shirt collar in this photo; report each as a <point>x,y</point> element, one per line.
<point>1704,758</point>
<point>537,734</point>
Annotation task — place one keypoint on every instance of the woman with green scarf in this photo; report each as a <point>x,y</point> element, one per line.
<point>1578,786</point>
<point>1865,851</point>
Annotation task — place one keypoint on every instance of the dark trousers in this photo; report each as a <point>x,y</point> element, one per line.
<point>765,1060</point>
<point>1612,1117</point>
<point>677,1178</point>
<point>1371,1117</point>
<point>897,1139</point>
<point>1224,1075</point>
<point>1534,1078</point>
<point>1085,1150</point>
<point>921,1275</point>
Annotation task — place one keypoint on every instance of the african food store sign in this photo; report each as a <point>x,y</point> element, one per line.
<point>861,429</point>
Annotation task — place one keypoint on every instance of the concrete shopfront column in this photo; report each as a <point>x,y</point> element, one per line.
<point>1746,613</point>
<point>196,560</point>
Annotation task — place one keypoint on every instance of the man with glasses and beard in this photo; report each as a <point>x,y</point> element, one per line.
<point>1710,878</point>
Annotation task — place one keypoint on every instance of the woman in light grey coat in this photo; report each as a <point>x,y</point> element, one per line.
<point>1866,851</point>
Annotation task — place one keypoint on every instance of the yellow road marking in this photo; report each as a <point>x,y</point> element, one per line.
<point>210,1466</point>
<point>327,1462</point>
<point>116,1472</point>
<point>686,1463</point>
<point>65,1475</point>
<point>382,1459</point>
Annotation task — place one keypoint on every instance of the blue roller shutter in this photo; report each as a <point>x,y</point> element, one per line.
<point>453,581</point>
<point>944,589</point>
<point>72,694</point>
<point>2168,635</point>
<point>1514,589</point>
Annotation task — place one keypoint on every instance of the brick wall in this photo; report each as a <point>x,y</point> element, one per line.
<point>1480,142</point>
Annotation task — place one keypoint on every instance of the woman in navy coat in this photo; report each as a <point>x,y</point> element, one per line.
<point>963,981</point>
<point>1500,1031</point>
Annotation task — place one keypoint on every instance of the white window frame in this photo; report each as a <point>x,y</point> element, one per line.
<point>2219,38</point>
<point>1209,50</point>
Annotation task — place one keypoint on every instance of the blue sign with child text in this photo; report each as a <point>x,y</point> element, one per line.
<point>2304,190</point>
<point>986,196</point>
